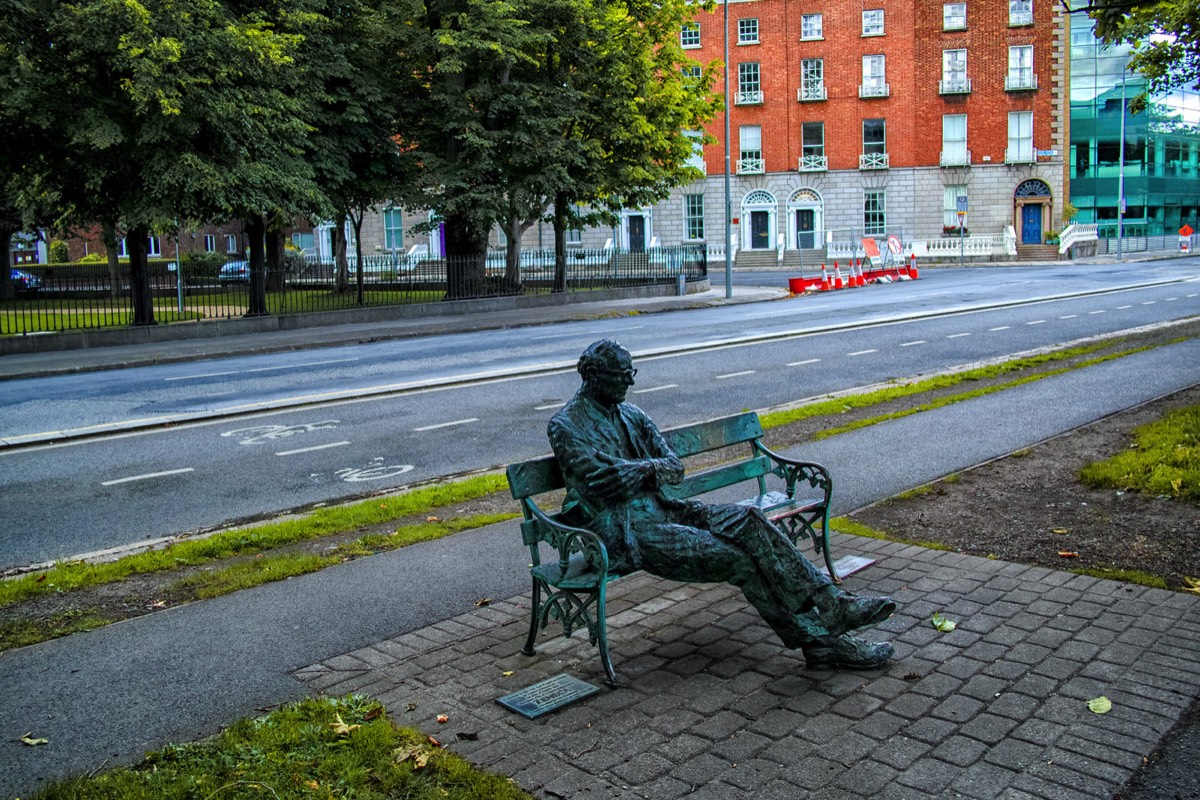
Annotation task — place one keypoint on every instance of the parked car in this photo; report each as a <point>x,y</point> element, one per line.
<point>234,272</point>
<point>25,282</point>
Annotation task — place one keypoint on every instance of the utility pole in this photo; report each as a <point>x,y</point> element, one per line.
<point>728,202</point>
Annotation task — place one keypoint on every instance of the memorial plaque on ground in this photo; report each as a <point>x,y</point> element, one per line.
<point>545,696</point>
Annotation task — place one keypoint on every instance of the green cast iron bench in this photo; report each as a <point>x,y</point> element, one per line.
<point>575,584</point>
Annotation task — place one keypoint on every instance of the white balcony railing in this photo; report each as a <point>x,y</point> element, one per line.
<point>1018,155</point>
<point>1020,18</point>
<point>955,86</point>
<point>808,94</point>
<point>955,158</point>
<point>813,164</point>
<point>873,161</point>
<point>1018,82</point>
<point>754,98</point>
<point>874,90</point>
<point>751,166</point>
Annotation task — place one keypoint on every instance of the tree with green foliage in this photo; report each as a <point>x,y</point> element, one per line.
<point>1165,35</point>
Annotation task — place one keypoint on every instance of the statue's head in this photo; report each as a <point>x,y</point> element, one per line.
<point>607,372</point>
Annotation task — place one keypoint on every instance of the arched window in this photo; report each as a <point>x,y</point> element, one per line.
<point>1032,188</point>
<point>759,197</point>
<point>805,196</point>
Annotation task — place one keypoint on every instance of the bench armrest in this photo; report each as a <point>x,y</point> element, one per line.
<point>793,472</point>
<point>567,539</point>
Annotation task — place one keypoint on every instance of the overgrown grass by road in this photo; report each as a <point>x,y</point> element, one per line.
<point>315,748</point>
<point>1164,460</point>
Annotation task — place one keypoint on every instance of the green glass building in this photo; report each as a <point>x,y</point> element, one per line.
<point>1162,144</point>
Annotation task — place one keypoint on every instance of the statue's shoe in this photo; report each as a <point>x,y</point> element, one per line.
<point>857,612</point>
<point>848,652</point>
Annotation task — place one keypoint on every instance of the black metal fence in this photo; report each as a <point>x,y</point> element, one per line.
<point>79,296</point>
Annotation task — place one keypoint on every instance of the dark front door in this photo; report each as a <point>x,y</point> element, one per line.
<point>637,233</point>
<point>804,228</point>
<point>760,233</point>
<point>1031,224</point>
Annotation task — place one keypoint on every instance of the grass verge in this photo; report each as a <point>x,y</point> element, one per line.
<point>849,526</point>
<point>1164,459</point>
<point>315,748</point>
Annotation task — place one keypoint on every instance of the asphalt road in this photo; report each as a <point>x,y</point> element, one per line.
<point>106,696</point>
<point>711,362</point>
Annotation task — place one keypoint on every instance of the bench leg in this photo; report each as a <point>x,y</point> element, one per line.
<point>833,576</point>
<point>534,615</point>
<point>602,638</point>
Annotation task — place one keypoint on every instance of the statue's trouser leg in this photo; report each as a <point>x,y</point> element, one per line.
<point>683,553</point>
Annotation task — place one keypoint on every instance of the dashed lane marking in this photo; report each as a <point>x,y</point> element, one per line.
<point>656,388</point>
<point>735,374</point>
<point>862,352</point>
<point>912,344</point>
<point>447,424</point>
<point>805,361</point>
<point>147,476</point>
<point>957,335</point>
<point>1001,328</point>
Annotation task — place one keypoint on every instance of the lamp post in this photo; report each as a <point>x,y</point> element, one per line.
<point>728,204</point>
<point>1121,175</point>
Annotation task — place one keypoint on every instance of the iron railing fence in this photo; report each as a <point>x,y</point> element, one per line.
<point>81,296</point>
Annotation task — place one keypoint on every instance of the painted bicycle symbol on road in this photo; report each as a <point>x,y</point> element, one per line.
<point>261,434</point>
<point>377,470</point>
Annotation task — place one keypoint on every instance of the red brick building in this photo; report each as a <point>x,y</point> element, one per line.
<point>875,118</point>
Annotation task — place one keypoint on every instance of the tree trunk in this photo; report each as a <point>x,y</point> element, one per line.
<point>108,232</point>
<point>275,261</point>
<point>357,221</point>
<point>560,242</point>
<point>466,252</point>
<point>255,235</point>
<point>139,275</point>
<point>512,263</point>
<point>7,290</point>
<point>341,269</point>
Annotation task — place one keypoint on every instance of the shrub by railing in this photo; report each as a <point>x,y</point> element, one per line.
<point>84,295</point>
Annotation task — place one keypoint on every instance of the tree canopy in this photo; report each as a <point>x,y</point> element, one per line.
<point>1165,36</point>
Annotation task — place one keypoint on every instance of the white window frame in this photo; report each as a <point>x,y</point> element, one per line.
<point>954,16</point>
<point>693,217</point>
<point>954,141</point>
<point>1020,68</point>
<point>1020,12</point>
<point>950,195</point>
<point>697,158</point>
<point>872,22</point>
<point>874,76</point>
<point>874,212</point>
<point>393,229</point>
<point>748,30</point>
<point>749,84</point>
<point>231,243</point>
<point>812,153</point>
<point>689,35</point>
<point>954,72</point>
<point>812,79</point>
<point>1020,138</point>
<point>812,27</point>
<point>750,155</point>
<point>210,243</point>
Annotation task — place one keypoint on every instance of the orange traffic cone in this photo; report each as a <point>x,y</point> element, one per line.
<point>859,280</point>
<point>912,266</point>
<point>825,287</point>
<point>837,277</point>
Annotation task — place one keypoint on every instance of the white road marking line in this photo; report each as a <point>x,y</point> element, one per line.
<point>1148,303</point>
<point>1100,311</point>
<point>1169,299</point>
<point>913,343</point>
<point>147,476</point>
<point>1122,308</point>
<point>656,388</point>
<point>802,363</point>
<point>1035,322</point>
<point>1069,316</point>
<point>447,424</point>
<point>1191,295</point>
<point>861,352</point>
<point>260,369</point>
<point>1001,328</point>
<point>310,449</point>
<point>549,406</point>
<point>735,374</point>
<point>957,335</point>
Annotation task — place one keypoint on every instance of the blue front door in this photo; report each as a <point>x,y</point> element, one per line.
<point>1031,224</point>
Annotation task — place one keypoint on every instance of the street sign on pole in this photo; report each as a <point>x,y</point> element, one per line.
<point>960,204</point>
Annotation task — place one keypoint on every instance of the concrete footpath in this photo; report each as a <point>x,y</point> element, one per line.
<point>713,706</point>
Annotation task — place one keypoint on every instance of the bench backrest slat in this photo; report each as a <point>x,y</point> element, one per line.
<point>704,436</point>
<point>531,478</point>
<point>696,483</point>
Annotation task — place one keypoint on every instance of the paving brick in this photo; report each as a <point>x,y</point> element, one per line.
<point>984,781</point>
<point>1015,754</point>
<point>937,685</point>
<point>959,750</point>
<point>958,709</point>
<point>984,687</point>
<point>901,752</point>
<point>930,775</point>
<point>741,746</point>
<point>701,769</point>
<point>931,731</point>
<point>752,774</point>
<point>719,726</point>
<point>880,725</point>
<point>682,747</point>
<point>1069,775</point>
<point>814,772</point>
<point>643,768</point>
<point>989,728</point>
<point>910,706</point>
<point>866,778</point>
<point>666,788</point>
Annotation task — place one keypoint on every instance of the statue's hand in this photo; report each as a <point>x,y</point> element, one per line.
<point>620,479</point>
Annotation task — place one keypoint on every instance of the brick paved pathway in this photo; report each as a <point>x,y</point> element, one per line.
<point>714,707</point>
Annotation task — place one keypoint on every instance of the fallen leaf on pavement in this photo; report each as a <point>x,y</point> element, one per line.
<point>32,742</point>
<point>1193,584</point>
<point>507,673</point>
<point>433,741</point>
<point>414,752</point>
<point>483,601</point>
<point>443,718</point>
<point>1068,554</point>
<point>943,624</point>
<point>1062,531</point>
<point>341,728</point>
<point>1100,705</point>
<point>433,519</point>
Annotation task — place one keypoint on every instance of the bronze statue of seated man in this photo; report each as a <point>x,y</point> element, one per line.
<point>615,460</point>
